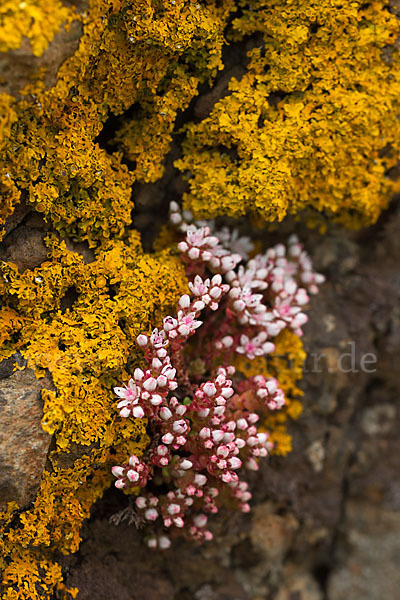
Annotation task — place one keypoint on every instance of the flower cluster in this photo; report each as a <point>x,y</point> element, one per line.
<point>203,420</point>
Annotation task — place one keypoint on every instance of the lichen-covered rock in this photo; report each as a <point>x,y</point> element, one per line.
<point>302,128</point>
<point>308,125</point>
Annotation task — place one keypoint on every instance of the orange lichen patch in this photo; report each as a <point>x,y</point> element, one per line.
<point>10,322</point>
<point>312,124</point>
<point>38,20</point>
<point>30,575</point>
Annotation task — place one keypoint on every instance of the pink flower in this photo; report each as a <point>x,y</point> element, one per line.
<point>202,439</point>
<point>256,346</point>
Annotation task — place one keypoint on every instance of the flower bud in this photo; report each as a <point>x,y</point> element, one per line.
<point>142,340</point>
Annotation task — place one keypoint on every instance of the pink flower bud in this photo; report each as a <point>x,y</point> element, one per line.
<point>133,460</point>
<point>198,305</point>
<point>132,475</point>
<point>174,509</point>
<point>204,433</point>
<point>156,400</point>
<point>215,293</point>
<point>252,441</point>
<point>141,502</point>
<point>156,364</point>
<point>118,471</point>
<point>186,464</point>
<point>216,280</point>
<point>181,410</point>
<point>252,418</point>
<point>164,542</point>
<point>183,246</point>
<point>179,426</point>
<point>175,218</point>
<point>235,463</point>
<point>120,484</point>
<point>200,520</point>
<point>165,413</point>
<point>151,514</point>
<point>227,341</point>
<point>217,435</point>
<point>194,253</point>
<point>184,330</point>
<point>227,392</point>
<point>184,301</point>
<point>204,412</point>
<point>268,347</point>
<point>168,438</point>
<point>138,374</point>
<point>252,465</point>
<point>150,384</point>
<point>223,451</point>
<point>162,381</point>
<point>209,389</point>
<point>170,373</point>
<point>138,412</point>
<point>238,306</point>
<point>142,340</point>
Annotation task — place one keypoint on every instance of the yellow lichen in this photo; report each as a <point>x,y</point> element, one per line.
<point>313,122</point>
<point>38,20</point>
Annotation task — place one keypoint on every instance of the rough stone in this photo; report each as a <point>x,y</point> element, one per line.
<point>271,533</point>
<point>24,247</point>
<point>18,67</point>
<point>23,443</point>
<point>369,554</point>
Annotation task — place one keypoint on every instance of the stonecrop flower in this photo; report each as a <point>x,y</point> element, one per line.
<point>203,421</point>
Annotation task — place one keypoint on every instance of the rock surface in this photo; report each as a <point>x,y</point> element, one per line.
<point>23,443</point>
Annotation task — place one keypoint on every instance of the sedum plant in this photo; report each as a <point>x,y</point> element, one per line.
<point>205,420</point>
